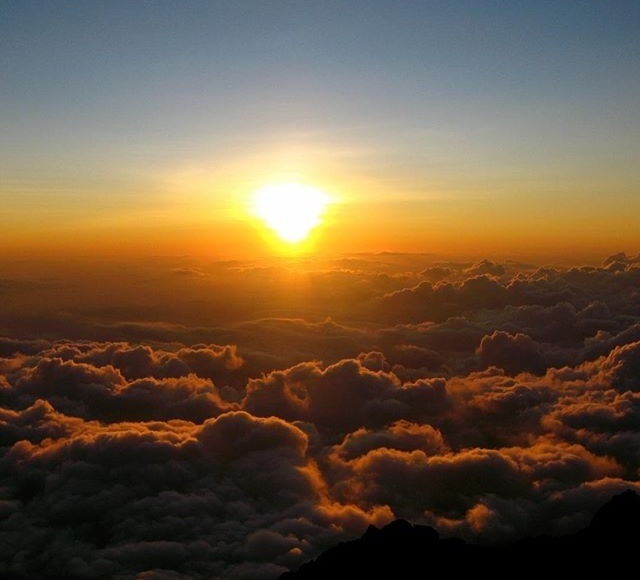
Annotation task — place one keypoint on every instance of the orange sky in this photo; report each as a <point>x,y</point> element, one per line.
<point>432,133</point>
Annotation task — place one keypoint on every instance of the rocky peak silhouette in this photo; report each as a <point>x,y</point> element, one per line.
<point>401,550</point>
<point>619,518</point>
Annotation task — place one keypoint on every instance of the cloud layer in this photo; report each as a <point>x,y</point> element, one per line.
<point>492,400</point>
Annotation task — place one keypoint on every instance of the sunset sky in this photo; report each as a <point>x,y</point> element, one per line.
<point>272,272</point>
<point>454,127</point>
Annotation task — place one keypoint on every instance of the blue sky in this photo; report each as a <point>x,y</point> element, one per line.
<point>426,99</point>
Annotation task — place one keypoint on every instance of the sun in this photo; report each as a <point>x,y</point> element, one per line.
<point>291,210</point>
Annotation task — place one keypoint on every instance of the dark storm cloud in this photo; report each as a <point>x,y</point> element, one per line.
<point>457,335</point>
<point>340,309</point>
<point>35,423</point>
<point>219,363</point>
<point>84,390</point>
<point>413,481</point>
<point>436,273</point>
<point>544,323</point>
<point>437,303</point>
<point>577,287</point>
<point>344,396</point>
<point>297,340</point>
<point>11,346</point>
<point>401,435</point>
<point>162,441</point>
<point>622,367</point>
<point>485,267</point>
<point>206,500</point>
<point>512,352</point>
<point>250,493</point>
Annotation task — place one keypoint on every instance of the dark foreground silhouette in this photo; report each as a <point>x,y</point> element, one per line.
<point>609,545</point>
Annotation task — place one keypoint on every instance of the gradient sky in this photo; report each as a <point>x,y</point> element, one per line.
<point>495,127</point>
<point>457,343</point>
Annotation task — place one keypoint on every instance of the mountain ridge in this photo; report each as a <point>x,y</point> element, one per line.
<point>404,550</point>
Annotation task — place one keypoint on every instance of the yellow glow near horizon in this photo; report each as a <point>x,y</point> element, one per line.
<point>291,210</point>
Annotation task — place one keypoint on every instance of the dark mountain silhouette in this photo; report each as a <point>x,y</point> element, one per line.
<point>401,550</point>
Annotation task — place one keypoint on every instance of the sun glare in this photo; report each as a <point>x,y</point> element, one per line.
<point>291,210</point>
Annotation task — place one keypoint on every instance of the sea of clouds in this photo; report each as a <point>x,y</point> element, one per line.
<point>232,420</point>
